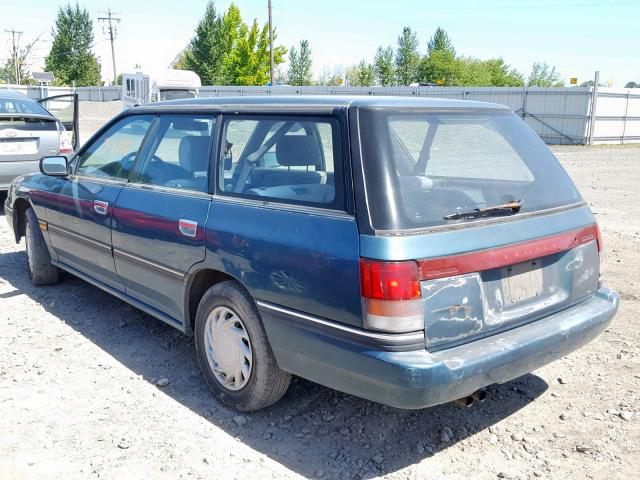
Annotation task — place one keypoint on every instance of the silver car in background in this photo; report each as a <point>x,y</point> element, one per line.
<point>29,131</point>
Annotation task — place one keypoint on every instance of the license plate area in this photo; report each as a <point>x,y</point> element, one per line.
<point>522,281</point>
<point>18,146</point>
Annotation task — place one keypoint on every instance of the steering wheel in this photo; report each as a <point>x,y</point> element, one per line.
<point>130,157</point>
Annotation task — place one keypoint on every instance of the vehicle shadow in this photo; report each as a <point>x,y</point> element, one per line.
<point>312,428</point>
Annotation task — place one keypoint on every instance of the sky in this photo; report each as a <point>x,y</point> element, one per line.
<point>576,36</point>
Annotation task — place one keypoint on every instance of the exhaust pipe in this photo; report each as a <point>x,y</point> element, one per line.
<point>477,396</point>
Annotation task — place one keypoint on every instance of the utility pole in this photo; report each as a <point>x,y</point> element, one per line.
<point>271,45</point>
<point>15,51</point>
<point>111,28</point>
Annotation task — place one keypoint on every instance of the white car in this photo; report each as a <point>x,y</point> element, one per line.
<point>29,131</point>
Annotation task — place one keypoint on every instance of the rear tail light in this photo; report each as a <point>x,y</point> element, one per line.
<point>66,140</point>
<point>391,296</point>
<point>66,143</point>
<point>598,237</point>
<point>600,255</point>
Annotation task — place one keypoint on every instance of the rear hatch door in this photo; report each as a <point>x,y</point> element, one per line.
<point>501,235</point>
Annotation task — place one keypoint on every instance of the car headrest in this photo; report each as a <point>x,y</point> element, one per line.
<point>298,151</point>
<point>194,153</point>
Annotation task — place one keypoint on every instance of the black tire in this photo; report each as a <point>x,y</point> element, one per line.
<point>267,383</point>
<point>41,271</point>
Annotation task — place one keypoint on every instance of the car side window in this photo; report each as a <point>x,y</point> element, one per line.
<point>177,155</point>
<point>112,155</point>
<point>286,159</point>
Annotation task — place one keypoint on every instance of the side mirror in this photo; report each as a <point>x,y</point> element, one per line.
<point>56,166</point>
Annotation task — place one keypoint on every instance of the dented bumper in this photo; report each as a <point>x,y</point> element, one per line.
<point>417,378</point>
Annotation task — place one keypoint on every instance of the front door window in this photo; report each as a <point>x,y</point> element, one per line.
<point>113,154</point>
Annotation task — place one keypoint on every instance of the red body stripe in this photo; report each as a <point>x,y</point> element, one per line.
<point>506,255</point>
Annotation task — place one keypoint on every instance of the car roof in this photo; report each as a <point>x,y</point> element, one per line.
<point>326,101</point>
<point>12,94</point>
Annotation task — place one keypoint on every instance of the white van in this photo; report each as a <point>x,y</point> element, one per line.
<point>140,88</point>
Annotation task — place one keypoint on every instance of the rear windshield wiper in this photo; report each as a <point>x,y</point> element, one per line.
<point>503,209</point>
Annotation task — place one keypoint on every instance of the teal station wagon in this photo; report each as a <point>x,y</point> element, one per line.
<point>408,251</point>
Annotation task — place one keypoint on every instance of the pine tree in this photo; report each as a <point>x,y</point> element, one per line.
<point>383,64</point>
<point>407,57</point>
<point>300,65</point>
<point>210,52</point>
<point>225,51</point>
<point>70,58</point>
<point>440,42</point>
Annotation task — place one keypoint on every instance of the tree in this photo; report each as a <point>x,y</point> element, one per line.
<point>21,58</point>
<point>210,51</point>
<point>384,67</point>
<point>440,42</point>
<point>361,75</point>
<point>71,59</point>
<point>500,74</point>
<point>225,51</point>
<point>632,85</point>
<point>250,64</point>
<point>543,75</point>
<point>441,66</point>
<point>407,57</point>
<point>300,65</point>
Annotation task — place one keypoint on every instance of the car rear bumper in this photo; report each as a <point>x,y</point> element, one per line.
<point>419,379</point>
<point>12,169</point>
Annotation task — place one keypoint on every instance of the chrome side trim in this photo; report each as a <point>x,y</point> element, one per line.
<point>481,222</point>
<point>383,341</point>
<point>273,204</point>
<point>148,263</point>
<point>184,192</point>
<point>89,241</point>
<point>77,177</point>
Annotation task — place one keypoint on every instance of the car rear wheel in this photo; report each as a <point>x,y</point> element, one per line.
<point>41,271</point>
<point>234,352</point>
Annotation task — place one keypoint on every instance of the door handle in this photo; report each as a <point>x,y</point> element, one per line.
<point>100,207</point>
<point>188,228</point>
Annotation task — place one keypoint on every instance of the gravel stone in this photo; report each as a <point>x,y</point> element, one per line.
<point>162,382</point>
<point>240,420</point>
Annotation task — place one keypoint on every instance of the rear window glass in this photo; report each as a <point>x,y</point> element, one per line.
<point>18,106</point>
<point>421,167</point>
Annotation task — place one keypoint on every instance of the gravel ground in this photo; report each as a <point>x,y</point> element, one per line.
<point>93,388</point>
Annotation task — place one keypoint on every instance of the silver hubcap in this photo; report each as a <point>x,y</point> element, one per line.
<point>228,348</point>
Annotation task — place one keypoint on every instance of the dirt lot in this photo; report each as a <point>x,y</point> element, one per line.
<point>79,399</point>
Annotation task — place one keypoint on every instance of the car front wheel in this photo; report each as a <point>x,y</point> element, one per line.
<point>234,352</point>
<point>41,270</point>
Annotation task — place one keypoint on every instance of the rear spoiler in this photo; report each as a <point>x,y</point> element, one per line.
<point>21,116</point>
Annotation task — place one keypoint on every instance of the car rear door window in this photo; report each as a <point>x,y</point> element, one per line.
<point>285,159</point>
<point>178,154</point>
<point>112,155</point>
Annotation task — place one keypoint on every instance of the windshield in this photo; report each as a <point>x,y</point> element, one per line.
<point>20,106</point>
<point>176,94</point>
<point>423,168</point>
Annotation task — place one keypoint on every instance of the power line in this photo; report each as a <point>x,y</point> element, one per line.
<point>15,49</point>
<point>270,45</point>
<point>112,23</point>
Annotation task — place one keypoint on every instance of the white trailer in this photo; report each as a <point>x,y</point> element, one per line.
<point>139,88</point>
